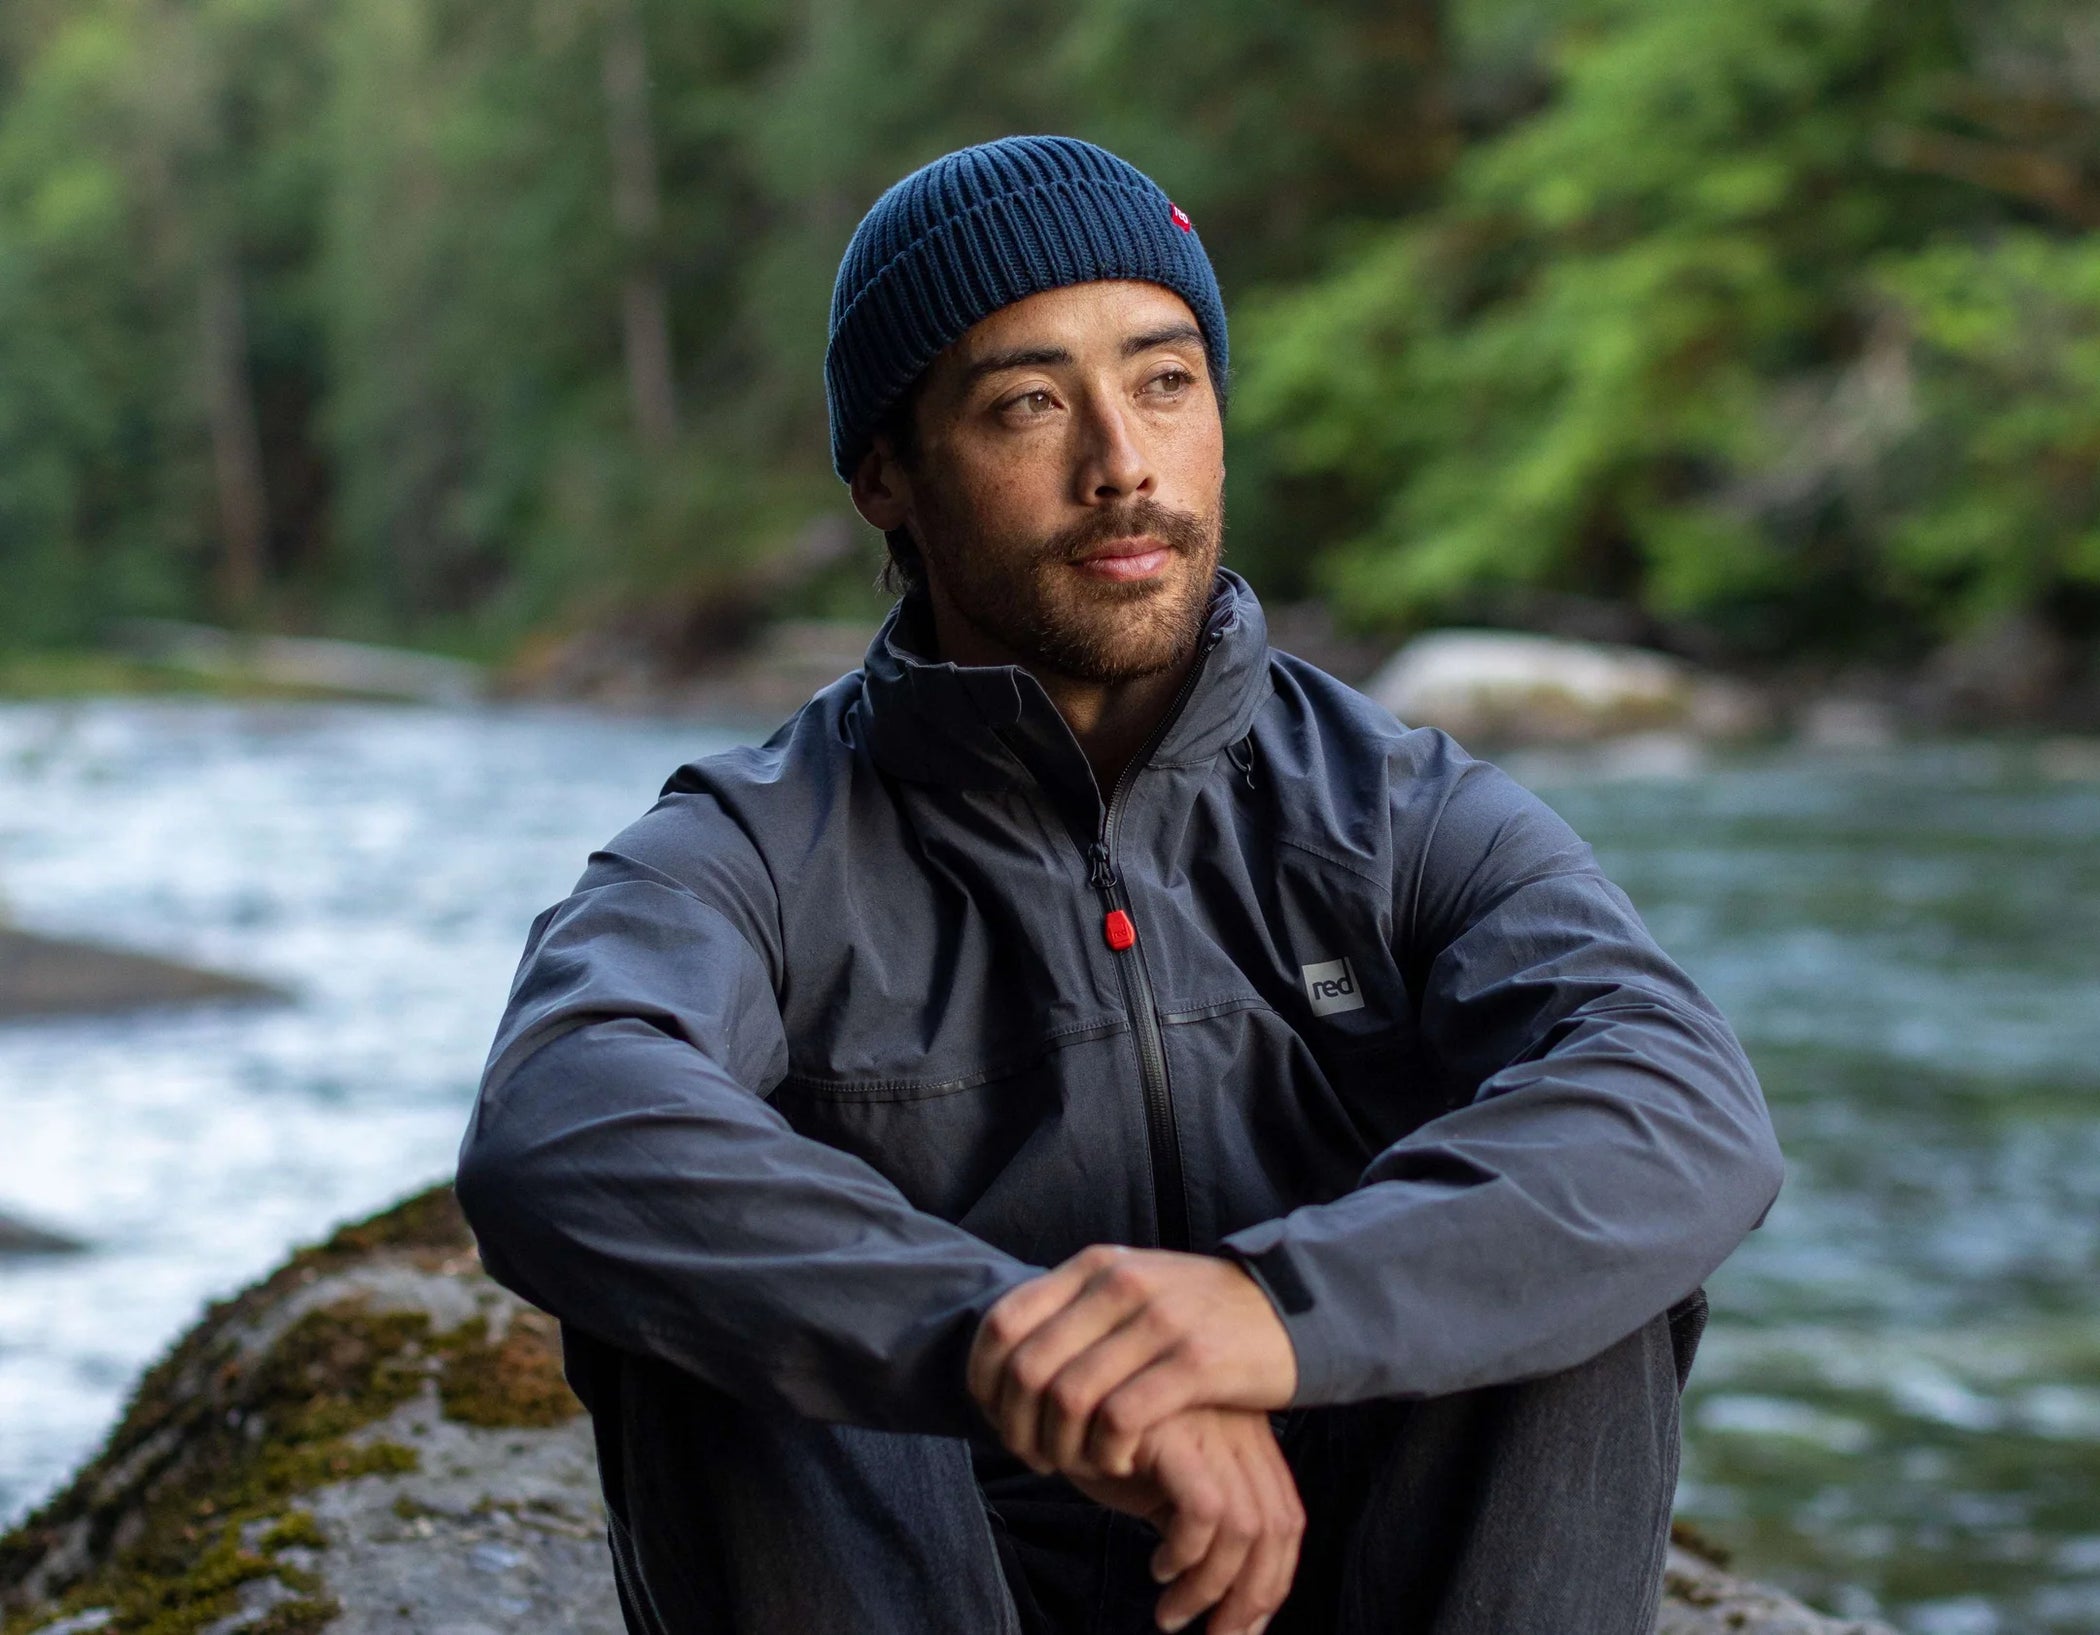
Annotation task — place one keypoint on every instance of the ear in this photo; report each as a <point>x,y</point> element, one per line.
<point>881,489</point>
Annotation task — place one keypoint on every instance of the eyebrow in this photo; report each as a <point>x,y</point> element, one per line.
<point>1039,357</point>
<point>1162,337</point>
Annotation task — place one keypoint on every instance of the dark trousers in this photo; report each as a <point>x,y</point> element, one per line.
<point>1535,1508</point>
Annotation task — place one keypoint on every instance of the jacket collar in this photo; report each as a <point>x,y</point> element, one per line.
<point>932,721</point>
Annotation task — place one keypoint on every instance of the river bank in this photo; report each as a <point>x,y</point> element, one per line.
<point>1491,687</point>
<point>1575,670</point>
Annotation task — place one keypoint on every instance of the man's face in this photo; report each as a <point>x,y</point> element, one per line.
<point>1067,491</point>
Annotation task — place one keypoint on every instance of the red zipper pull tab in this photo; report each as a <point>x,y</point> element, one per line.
<point>1116,927</point>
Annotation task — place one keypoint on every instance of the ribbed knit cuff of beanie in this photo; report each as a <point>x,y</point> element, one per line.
<point>980,229</point>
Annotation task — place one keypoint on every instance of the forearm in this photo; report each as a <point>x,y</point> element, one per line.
<point>617,1178</point>
<point>1576,1196</point>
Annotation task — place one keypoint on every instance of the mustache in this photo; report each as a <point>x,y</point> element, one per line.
<point>1175,529</point>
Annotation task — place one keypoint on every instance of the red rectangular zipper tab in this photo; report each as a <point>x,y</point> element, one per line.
<point>1116,927</point>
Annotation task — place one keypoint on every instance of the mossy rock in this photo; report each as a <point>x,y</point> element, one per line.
<point>374,1437</point>
<point>377,1440</point>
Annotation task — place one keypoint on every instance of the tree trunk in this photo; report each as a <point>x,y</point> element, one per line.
<point>236,445</point>
<point>637,211</point>
<point>1407,137</point>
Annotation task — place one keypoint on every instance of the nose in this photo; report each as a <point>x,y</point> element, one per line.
<point>1113,462</point>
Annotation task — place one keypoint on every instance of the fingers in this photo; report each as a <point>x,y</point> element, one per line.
<point>1265,1577</point>
<point>1039,1368</point>
<point>1025,1308</point>
<point>1229,1528</point>
<point>1086,1372</point>
<point>1054,1377</point>
<point>1231,1542</point>
<point>1206,1493</point>
<point>1013,1318</point>
<point>1075,1367</point>
<point>1120,1420</point>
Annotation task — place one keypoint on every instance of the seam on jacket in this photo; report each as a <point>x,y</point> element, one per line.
<point>1539,1050</point>
<point>927,1089</point>
<point>1216,1007</point>
<point>501,1069</point>
<point>671,882</point>
<point>1345,863</point>
<point>1436,822</point>
<point>1545,874</point>
<point>1243,718</point>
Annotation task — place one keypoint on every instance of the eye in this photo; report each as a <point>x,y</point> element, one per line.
<point>1032,403</point>
<point>1172,382</point>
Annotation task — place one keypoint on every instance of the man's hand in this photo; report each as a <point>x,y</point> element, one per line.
<point>1074,1367</point>
<point>1215,1485</point>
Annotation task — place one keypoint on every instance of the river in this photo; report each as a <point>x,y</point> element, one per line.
<point>1897,1407</point>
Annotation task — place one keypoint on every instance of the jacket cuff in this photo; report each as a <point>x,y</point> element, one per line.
<point>1266,1256</point>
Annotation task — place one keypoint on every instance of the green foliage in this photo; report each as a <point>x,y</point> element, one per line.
<point>1656,342</point>
<point>2003,468</point>
<point>1769,317</point>
<point>376,251</point>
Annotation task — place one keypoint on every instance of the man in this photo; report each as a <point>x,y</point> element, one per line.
<point>1093,1124</point>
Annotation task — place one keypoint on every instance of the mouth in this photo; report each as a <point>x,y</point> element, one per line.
<point>1139,557</point>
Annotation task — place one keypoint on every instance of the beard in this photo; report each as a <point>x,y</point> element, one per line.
<point>1029,600</point>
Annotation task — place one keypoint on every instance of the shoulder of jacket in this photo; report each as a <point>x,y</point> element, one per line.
<point>810,748</point>
<point>739,808</point>
<point>1318,725</point>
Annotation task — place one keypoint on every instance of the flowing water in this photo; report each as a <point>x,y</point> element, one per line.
<point>1897,1407</point>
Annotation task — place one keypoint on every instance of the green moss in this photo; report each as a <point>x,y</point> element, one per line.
<point>429,1220</point>
<point>201,1374</point>
<point>240,1442</point>
<point>295,1529</point>
<point>178,1603</point>
<point>517,1381</point>
<point>299,1617</point>
<point>213,1444</point>
<point>1688,1537</point>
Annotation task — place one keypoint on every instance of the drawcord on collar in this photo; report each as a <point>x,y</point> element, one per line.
<point>1241,755</point>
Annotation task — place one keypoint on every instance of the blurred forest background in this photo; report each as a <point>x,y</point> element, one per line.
<point>1751,329</point>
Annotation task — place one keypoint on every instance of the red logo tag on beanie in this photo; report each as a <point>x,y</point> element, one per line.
<point>1181,218</point>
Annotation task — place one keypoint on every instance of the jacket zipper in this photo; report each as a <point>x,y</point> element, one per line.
<point>1169,1194</point>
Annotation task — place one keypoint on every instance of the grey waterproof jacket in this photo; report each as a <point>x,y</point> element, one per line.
<point>857,1029</point>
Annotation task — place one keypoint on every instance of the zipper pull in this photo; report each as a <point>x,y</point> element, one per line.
<point>1101,873</point>
<point>1117,930</point>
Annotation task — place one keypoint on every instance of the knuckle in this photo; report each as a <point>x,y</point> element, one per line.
<point>1068,1396</point>
<point>1205,1506</point>
<point>1004,1325</point>
<point>1128,1279</point>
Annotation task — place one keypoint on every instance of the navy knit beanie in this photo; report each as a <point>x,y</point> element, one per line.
<point>978,230</point>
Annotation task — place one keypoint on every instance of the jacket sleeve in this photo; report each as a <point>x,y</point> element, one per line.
<point>623,1170</point>
<point>1606,1148</point>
